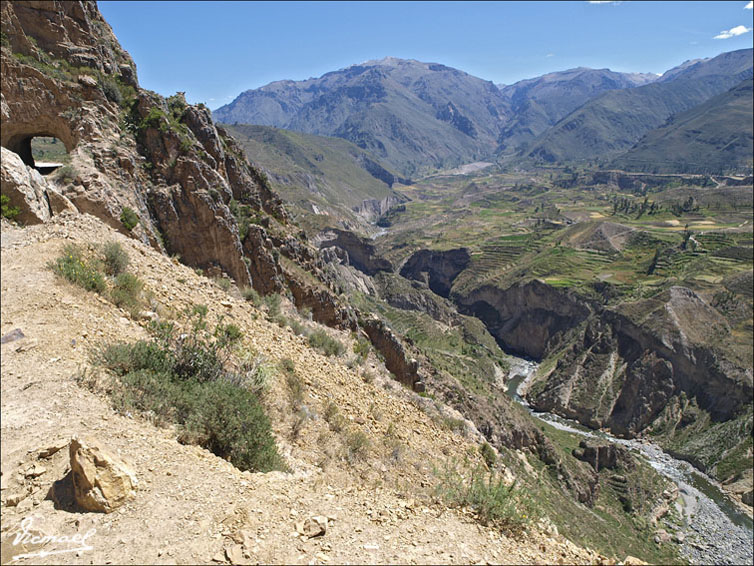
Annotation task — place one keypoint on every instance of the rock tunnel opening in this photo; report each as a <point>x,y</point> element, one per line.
<point>48,153</point>
<point>44,150</point>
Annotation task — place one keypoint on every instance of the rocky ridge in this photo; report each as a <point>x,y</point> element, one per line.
<point>188,182</point>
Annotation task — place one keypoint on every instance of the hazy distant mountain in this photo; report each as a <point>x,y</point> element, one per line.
<point>540,102</point>
<point>714,137</point>
<point>316,173</point>
<point>411,115</point>
<point>615,120</point>
<point>732,63</point>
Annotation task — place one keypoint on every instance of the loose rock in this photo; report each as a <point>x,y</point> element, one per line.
<point>101,483</point>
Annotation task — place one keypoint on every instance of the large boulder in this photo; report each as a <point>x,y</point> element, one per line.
<point>25,187</point>
<point>101,482</point>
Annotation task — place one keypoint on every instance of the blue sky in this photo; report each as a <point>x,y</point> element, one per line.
<point>215,50</point>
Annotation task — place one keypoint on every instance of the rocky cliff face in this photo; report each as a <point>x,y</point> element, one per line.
<point>62,69</point>
<point>437,269</point>
<point>661,364</point>
<point>361,252</point>
<point>621,369</point>
<point>64,75</point>
<point>372,209</point>
<point>527,318</point>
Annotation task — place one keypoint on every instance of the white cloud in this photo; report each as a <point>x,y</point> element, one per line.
<point>733,32</point>
<point>613,2</point>
<point>550,55</point>
<point>749,6</point>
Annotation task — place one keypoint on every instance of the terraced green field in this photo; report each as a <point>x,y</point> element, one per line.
<point>532,226</point>
<point>561,228</point>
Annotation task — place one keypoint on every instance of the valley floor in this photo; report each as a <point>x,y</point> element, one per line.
<point>191,506</point>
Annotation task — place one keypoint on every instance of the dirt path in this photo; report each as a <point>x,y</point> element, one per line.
<point>191,506</point>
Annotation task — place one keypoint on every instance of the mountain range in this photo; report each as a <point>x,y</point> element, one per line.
<point>418,117</point>
<point>409,114</point>
<point>541,102</point>
<point>706,139</point>
<point>614,121</point>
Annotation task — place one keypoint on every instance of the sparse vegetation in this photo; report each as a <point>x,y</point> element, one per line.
<point>488,453</point>
<point>67,174</point>
<point>494,501</point>
<point>333,417</point>
<point>294,382</point>
<point>116,258</point>
<point>245,216</point>
<point>223,282</point>
<point>126,292</point>
<point>272,302</point>
<point>362,348</point>
<point>188,380</point>
<point>129,218</point>
<point>8,211</point>
<point>250,294</point>
<point>357,445</point>
<point>72,266</point>
<point>326,344</point>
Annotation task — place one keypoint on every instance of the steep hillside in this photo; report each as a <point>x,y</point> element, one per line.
<point>324,176</point>
<point>190,505</point>
<point>540,102</point>
<point>616,120</point>
<point>412,116</point>
<point>566,275</point>
<point>714,137</point>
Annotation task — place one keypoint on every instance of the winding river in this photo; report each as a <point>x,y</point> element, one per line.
<point>715,529</point>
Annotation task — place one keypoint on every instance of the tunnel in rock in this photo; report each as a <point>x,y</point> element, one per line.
<point>24,140</point>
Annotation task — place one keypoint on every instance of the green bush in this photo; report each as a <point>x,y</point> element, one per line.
<point>8,211</point>
<point>230,422</point>
<point>126,292</point>
<point>122,358</point>
<point>116,258</point>
<point>129,218</point>
<point>333,417</point>
<point>295,389</point>
<point>223,282</point>
<point>111,90</point>
<point>227,334</point>
<point>72,266</point>
<point>488,453</point>
<point>273,304</point>
<point>357,445</point>
<point>250,294</point>
<point>486,493</point>
<point>361,348</point>
<point>184,380</point>
<point>245,216</point>
<point>155,118</point>
<point>297,327</point>
<point>323,342</point>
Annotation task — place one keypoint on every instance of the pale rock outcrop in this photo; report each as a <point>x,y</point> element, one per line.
<point>397,359</point>
<point>25,188</point>
<point>101,482</point>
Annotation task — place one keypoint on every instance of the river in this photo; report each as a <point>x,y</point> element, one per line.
<point>715,529</point>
